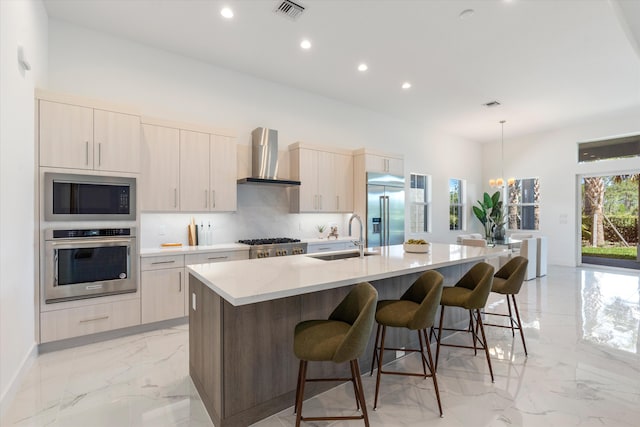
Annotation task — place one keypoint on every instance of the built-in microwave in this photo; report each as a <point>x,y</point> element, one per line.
<point>71,197</point>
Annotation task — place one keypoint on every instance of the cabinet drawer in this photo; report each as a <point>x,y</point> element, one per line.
<point>74,322</point>
<point>161,262</point>
<point>215,257</point>
<point>313,248</point>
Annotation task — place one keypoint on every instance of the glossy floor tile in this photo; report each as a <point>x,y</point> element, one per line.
<point>582,328</point>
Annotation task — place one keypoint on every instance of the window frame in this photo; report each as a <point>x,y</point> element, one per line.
<point>520,205</point>
<point>426,205</point>
<point>462,205</point>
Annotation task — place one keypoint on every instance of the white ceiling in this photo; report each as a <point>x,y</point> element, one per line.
<point>549,62</point>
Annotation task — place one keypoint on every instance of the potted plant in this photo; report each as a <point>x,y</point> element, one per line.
<point>321,229</point>
<point>490,213</point>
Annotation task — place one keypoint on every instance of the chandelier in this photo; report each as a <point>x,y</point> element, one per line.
<point>499,182</point>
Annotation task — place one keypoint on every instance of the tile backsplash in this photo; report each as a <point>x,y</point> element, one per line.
<point>263,211</point>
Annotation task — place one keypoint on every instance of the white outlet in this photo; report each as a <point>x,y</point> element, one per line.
<point>162,230</point>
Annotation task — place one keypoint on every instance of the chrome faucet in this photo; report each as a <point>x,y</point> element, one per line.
<point>359,243</point>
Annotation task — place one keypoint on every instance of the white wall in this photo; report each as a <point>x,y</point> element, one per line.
<point>166,85</point>
<point>21,22</point>
<point>552,156</point>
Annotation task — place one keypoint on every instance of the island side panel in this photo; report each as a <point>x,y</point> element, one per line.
<point>260,369</point>
<point>205,346</point>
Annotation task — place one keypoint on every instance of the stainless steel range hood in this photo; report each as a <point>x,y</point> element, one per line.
<point>264,159</point>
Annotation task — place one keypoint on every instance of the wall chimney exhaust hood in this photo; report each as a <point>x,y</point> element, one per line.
<point>264,160</point>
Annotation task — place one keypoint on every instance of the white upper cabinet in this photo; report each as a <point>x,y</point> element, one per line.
<point>382,163</point>
<point>208,172</point>
<point>66,135</point>
<point>326,180</point>
<point>116,141</point>
<point>223,173</point>
<point>78,137</point>
<point>160,168</point>
<point>194,171</point>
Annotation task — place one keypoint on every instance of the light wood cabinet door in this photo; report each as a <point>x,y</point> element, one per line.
<point>224,174</point>
<point>116,140</point>
<point>376,163</point>
<point>194,171</point>
<point>327,182</point>
<point>66,135</point>
<point>343,177</point>
<point>307,173</point>
<point>162,294</point>
<point>160,168</point>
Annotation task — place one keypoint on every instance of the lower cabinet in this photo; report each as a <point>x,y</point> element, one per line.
<point>74,322</point>
<point>164,282</point>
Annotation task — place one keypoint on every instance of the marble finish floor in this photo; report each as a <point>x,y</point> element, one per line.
<point>582,328</point>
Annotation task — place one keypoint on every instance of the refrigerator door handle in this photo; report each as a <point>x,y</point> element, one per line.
<point>383,230</point>
<point>386,218</point>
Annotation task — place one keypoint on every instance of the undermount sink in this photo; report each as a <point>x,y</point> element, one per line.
<point>344,255</point>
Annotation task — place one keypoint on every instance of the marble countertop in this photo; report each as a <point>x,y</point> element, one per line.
<point>249,281</point>
<point>222,247</point>
<point>185,250</point>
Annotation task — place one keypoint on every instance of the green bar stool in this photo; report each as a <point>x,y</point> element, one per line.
<point>340,339</point>
<point>416,311</point>
<point>471,293</point>
<point>508,281</point>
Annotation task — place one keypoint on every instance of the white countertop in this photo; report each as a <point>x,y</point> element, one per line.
<point>184,250</point>
<point>249,281</point>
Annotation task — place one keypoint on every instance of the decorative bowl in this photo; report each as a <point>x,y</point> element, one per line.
<point>417,249</point>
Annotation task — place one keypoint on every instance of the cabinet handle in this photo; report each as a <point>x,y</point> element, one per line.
<point>320,198</point>
<point>180,281</point>
<point>94,319</point>
<point>99,154</point>
<point>337,203</point>
<point>206,199</point>
<point>218,257</point>
<point>163,262</point>
<point>86,152</point>
<point>175,197</point>
<point>213,199</point>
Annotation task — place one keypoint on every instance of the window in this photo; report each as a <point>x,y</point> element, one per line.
<point>613,148</point>
<point>523,204</point>
<point>456,204</point>
<point>420,203</point>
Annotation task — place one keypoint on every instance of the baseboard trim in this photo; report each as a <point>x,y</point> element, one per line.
<point>14,385</point>
<point>109,335</point>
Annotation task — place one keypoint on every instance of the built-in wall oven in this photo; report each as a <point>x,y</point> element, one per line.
<point>86,263</point>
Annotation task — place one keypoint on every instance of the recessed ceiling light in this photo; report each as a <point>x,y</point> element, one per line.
<point>363,67</point>
<point>406,85</point>
<point>226,12</point>
<point>305,44</point>
<point>466,13</point>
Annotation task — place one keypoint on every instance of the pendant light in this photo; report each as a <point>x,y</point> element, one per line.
<point>499,182</point>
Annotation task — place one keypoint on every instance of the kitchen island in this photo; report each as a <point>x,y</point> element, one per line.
<point>242,316</point>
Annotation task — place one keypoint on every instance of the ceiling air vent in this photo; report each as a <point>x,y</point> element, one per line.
<point>289,9</point>
<point>491,104</point>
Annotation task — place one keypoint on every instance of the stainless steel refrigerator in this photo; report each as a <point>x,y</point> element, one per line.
<point>385,209</point>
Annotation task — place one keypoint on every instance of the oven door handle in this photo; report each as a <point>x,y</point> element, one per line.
<point>55,269</point>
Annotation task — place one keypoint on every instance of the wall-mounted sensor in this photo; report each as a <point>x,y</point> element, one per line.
<point>22,60</point>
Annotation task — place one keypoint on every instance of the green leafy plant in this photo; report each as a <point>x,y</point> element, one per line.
<point>490,213</point>
<point>321,228</point>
